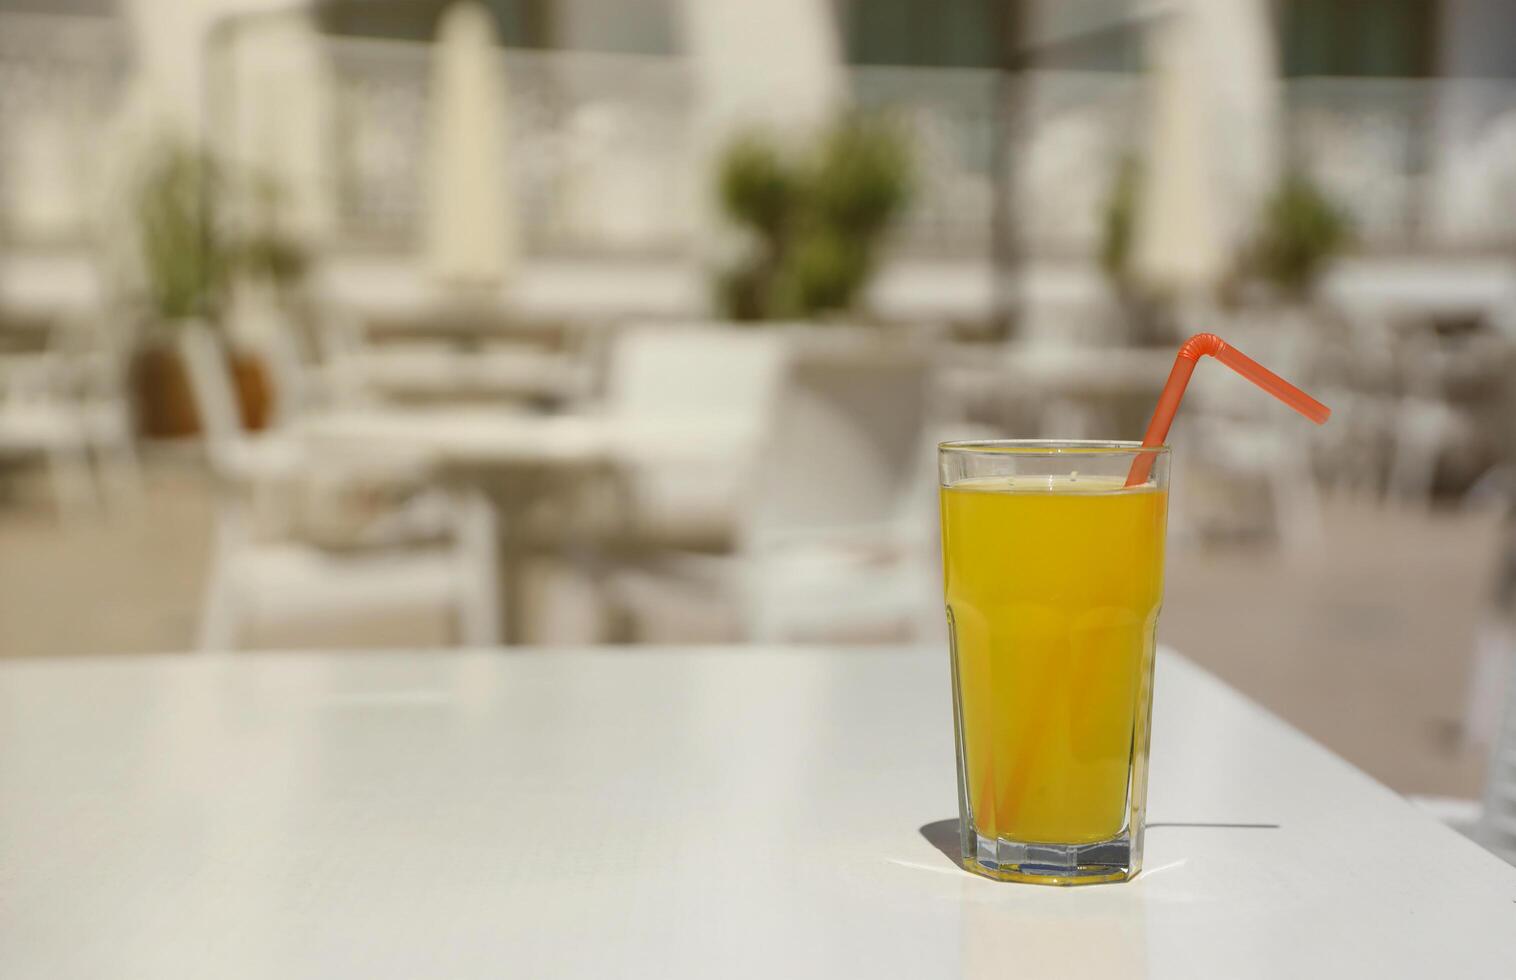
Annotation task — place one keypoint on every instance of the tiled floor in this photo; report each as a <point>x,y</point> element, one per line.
<point>1363,642</point>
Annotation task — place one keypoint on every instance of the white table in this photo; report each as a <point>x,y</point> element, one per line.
<point>520,458</point>
<point>438,373</point>
<point>663,813</point>
<point>482,437</point>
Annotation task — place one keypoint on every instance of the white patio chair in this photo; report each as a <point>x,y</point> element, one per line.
<point>1490,820</point>
<point>1429,423</point>
<point>1489,720</point>
<point>720,375</point>
<point>1230,429</point>
<point>1496,826</point>
<point>273,575</point>
<point>68,402</point>
<point>835,538</point>
<point>36,419</point>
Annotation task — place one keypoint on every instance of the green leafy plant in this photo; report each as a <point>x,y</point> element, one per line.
<point>1301,232</point>
<point>273,258</point>
<point>264,252</point>
<point>183,259</point>
<point>814,218</point>
<point>1119,222</point>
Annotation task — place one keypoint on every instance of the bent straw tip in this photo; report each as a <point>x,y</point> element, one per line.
<point>1309,407</point>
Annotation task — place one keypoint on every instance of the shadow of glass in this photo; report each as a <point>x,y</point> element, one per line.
<point>943,835</point>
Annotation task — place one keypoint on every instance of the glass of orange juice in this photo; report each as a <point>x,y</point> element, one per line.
<point>1053,576</point>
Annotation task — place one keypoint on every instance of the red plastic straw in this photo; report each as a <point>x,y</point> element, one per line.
<point>1184,366</point>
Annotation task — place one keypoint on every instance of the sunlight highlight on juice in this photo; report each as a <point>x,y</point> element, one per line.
<point>1053,586</point>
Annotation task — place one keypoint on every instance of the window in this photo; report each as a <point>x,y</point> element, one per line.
<point>97,8</point>
<point>521,23</point>
<point>924,33</point>
<point>1385,38</point>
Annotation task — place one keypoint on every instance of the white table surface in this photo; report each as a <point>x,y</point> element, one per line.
<point>439,372</point>
<point>484,436</point>
<point>730,813</point>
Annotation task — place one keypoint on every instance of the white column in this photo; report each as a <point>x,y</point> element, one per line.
<point>778,62</point>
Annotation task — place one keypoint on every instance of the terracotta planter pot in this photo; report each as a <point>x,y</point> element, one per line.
<point>255,391</point>
<point>165,402</point>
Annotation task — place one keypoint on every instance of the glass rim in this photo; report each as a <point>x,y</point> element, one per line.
<point>1051,447</point>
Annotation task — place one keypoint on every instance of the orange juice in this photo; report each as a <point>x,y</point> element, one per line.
<point>1053,586</point>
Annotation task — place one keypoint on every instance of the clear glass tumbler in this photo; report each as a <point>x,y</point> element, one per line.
<point>1053,577</point>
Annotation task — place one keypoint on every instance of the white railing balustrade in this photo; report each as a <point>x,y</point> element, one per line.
<point>609,157</point>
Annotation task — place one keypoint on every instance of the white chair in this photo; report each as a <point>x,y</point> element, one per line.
<point>1495,639</point>
<point>68,403</point>
<point>297,384</point>
<point>341,344</point>
<point>725,376</point>
<point>1491,820</point>
<point>836,535</point>
<point>97,351</point>
<point>1489,720</point>
<point>1496,827</point>
<point>1231,429</point>
<point>272,575</point>
<point>36,420</point>
<point>1428,423</point>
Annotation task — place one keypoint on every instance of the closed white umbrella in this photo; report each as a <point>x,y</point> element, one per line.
<point>1242,86</point>
<point>1212,152</point>
<point>1179,247</point>
<point>471,231</point>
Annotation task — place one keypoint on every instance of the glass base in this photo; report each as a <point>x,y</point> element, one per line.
<point>1052,864</point>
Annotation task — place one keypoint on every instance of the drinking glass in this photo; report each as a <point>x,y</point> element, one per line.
<point>1053,578</point>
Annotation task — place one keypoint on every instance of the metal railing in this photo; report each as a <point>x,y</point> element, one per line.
<point>609,157</point>
<point>61,80</point>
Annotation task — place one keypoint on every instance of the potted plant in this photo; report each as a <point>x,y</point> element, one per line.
<point>183,278</point>
<point>1143,310</point>
<point>189,263</point>
<point>812,218</point>
<point>264,257</point>
<point>268,269</point>
<point>1272,287</point>
<point>1301,232</point>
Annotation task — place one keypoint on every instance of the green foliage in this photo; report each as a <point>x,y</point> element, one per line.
<point>269,257</point>
<point>262,252</point>
<point>189,255</point>
<point>182,258</point>
<point>815,218</point>
<point>758,186</point>
<point>1119,223</point>
<point>862,181</point>
<point>1300,233</point>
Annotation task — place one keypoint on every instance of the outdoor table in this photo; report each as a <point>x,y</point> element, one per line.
<point>667,812</point>
<point>519,459</point>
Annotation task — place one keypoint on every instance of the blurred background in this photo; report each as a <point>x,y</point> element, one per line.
<point>372,323</point>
